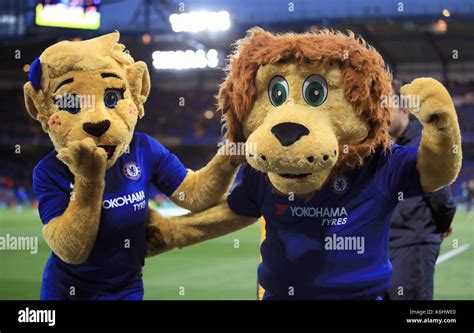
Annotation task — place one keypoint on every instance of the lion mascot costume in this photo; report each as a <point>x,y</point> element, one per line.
<point>93,188</point>
<point>321,170</point>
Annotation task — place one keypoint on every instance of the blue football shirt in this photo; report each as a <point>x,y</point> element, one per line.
<point>120,248</point>
<point>333,245</point>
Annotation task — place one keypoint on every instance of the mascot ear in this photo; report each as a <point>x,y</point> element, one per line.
<point>139,81</point>
<point>34,95</point>
<point>34,102</point>
<point>31,95</point>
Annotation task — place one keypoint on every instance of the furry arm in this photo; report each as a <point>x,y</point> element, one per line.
<point>164,234</point>
<point>206,187</point>
<point>440,156</point>
<point>72,235</point>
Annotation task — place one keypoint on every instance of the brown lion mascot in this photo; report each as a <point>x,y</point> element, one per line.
<point>314,110</point>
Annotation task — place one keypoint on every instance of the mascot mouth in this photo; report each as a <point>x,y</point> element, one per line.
<point>293,176</point>
<point>110,150</point>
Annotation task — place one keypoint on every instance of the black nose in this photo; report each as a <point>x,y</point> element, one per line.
<point>96,129</point>
<point>289,133</point>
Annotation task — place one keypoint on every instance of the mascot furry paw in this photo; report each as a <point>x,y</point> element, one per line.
<point>93,189</point>
<point>321,168</point>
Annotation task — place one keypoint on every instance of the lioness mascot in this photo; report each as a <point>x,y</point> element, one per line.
<point>93,188</point>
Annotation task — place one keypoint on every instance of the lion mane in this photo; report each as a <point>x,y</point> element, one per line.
<point>366,82</point>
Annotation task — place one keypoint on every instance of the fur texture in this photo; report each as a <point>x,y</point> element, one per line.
<point>440,156</point>
<point>365,80</point>
<point>169,233</point>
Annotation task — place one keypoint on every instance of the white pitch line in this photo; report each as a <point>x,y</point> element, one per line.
<point>452,253</point>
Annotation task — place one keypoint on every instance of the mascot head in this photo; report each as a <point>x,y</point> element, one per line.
<point>307,105</point>
<point>88,89</point>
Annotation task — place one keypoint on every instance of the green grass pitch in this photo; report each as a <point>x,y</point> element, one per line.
<point>221,269</point>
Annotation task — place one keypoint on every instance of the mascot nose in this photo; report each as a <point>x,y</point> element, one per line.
<point>96,129</point>
<point>289,133</point>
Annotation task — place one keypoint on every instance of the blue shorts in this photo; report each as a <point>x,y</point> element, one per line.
<point>133,291</point>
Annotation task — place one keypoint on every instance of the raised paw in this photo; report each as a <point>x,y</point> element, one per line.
<point>429,100</point>
<point>84,159</point>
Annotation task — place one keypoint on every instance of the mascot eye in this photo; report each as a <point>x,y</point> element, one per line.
<point>315,90</point>
<point>278,90</point>
<point>69,103</point>
<point>112,97</point>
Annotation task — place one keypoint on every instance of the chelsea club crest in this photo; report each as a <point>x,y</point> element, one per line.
<point>340,185</point>
<point>132,170</point>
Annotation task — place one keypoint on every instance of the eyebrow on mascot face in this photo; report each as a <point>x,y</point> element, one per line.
<point>71,80</point>
<point>67,81</point>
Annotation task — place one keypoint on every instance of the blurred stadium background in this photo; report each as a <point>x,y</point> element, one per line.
<point>185,45</point>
